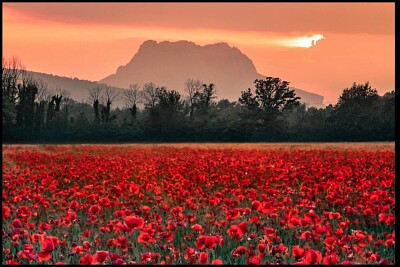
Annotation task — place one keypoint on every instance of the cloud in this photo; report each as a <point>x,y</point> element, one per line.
<point>372,18</point>
<point>20,28</point>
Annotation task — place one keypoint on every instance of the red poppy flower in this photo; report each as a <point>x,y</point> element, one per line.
<point>368,212</point>
<point>329,243</point>
<point>261,247</point>
<point>293,222</point>
<point>44,256</point>
<point>16,223</point>
<point>28,247</point>
<point>122,242</point>
<point>104,202</point>
<point>145,209</point>
<point>305,235</point>
<point>313,257</point>
<point>335,215</point>
<point>6,212</point>
<point>74,205</point>
<point>390,219</point>
<point>86,259</point>
<point>78,249</point>
<point>211,242</point>
<point>47,245</point>
<point>348,263</point>
<point>239,251</point>
<point>100,257</point>
<point>298,252</point>
<point>197,228</point>
<point>243,227</point>
<point>255,220</point>
<point>203,258</point>
<point>255,204</point>
<point>235,232</point>
<point>269,231</point>
<point>190,252</point>
<point>214,201</point>
<point>37,237</point>
<point>44,226</point>
<point>144,237</point>
<point>134,222</point>
<point>94,209</point>
<point>217,262</point>
<point>331,259</point>
<point>23,211</point>
<point>253,260</point>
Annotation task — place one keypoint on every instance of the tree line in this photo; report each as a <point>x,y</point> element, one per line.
<point>270,112</point>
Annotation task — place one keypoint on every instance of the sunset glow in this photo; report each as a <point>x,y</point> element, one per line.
<point>309,46</point>
<point>305,42</point>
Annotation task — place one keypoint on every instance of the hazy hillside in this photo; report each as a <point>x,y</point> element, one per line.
<point>310,99</point>
<point>171,63</point>
<point>78,89</point>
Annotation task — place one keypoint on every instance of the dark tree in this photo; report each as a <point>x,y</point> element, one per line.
<point>26,103</point>
<point>39,115</point>
<point>272,97</point>
<point>388,115</point>
<point>192,88</point>
<point>225,104</point>
<point>110,95</point>
<point>12,74</point>
<point>204,99</point>
<point>249,100</point>
<point>132,97</point>
<point>57,101</point>
<point>169,107</point>
<point>94,98</point>
<point>357,94</point>
<point>355,113</point>
<point>150,95</point>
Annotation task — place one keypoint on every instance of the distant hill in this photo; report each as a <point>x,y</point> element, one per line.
<point>78,89</point>
<point>310,99</point>
<point>171,63</point>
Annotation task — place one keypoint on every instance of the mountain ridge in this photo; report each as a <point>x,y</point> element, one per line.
<point>171,63</point>
<point>166,64</point>
<point>77,88</point>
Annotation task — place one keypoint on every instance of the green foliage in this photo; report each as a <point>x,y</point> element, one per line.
<point>359,112</point>
<point>264,110</point>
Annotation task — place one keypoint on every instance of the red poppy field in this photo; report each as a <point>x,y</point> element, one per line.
<point>140,204</point>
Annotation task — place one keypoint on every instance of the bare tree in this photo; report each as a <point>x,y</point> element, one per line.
<point>62,96</point>
<point>43,96</point>
<point>43,93</point>
<point>94,97</point>
<point>25,106</point>
<point>12,73</point>
<point>150,95</point>
<point>132,96</point>
<point>110,96</point>
<point>65,93</point>
<point>192,87</point>
<point>95,93</point>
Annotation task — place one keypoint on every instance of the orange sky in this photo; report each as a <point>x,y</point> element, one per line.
<point>89,41</point>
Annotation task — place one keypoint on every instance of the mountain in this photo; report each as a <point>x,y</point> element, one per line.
<point>78,89</point>
<point>171,63</point>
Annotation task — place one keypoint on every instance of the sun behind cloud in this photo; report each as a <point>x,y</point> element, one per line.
<point>303,41</point>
